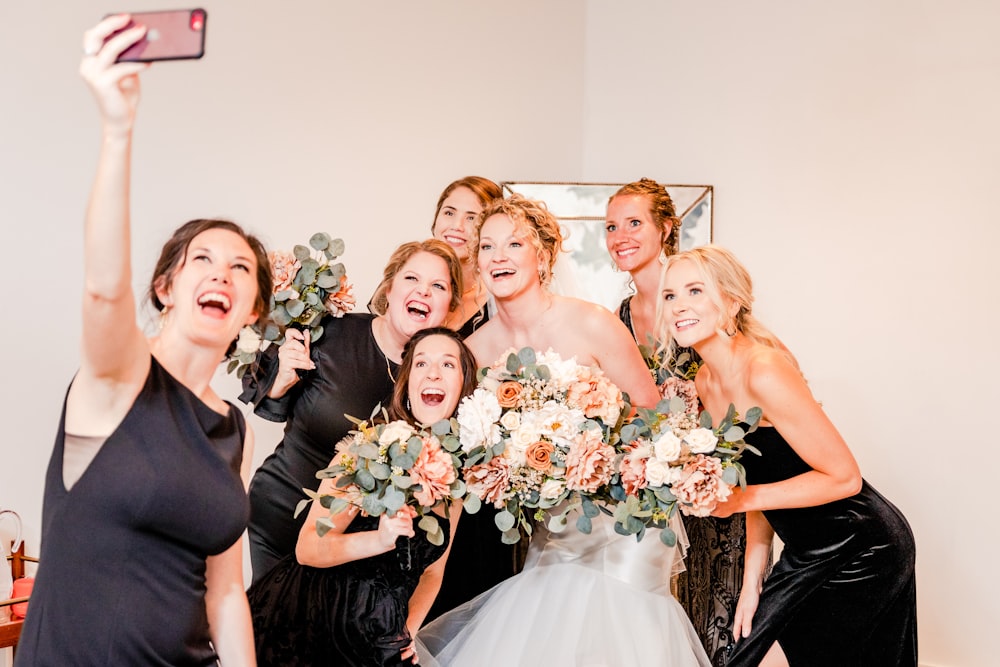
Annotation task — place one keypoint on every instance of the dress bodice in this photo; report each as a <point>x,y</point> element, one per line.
<point>646,565</point>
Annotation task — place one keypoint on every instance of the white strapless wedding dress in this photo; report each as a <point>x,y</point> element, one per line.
<point>598,600</point>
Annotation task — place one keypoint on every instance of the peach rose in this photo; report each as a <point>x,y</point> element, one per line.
<point>700,486</point>
<point>596,396</point>
<point>589,462</point>
<point>539,455</point>
<point>341,301</point>
<point>433,471</point>
<point>507,393</point>
<point>490,481</point>
<point>284,266</point>
<point>633,469</point>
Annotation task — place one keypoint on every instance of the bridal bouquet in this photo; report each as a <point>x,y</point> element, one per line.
<point>382,467</point>
<point>672,459</point>
<point>536,433</point>
<point>307,286</point>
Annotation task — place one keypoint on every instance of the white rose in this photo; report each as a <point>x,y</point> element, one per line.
<point>511,420</point>
<point>249,341</point>
<point>395,431</point>
<point>658,473</point>
<point>667,447</point>
<point>552,489</point>
<point>701,441</point>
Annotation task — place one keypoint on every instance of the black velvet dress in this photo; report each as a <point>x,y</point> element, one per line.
<point>351,377</point>
<point>479,560</point>
<point>843,592</point>
<point>710,584</point>
<point>121,577</point>
<point>352,614</point>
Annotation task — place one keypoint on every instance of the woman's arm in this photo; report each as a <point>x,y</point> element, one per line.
<point>229,622</point>
<point>619,357</point>
<point>759,539</point>
<point>336,546</point>
<point>115,355</point>
<point>778,388</point>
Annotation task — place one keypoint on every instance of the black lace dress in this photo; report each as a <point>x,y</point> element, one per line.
<point>843,592</point>
<point>710,585</point>
<point>352,614</point>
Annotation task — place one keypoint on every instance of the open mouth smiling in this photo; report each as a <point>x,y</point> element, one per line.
<point>418,309</point>
<point>432,396</point>
<point>215,301</point>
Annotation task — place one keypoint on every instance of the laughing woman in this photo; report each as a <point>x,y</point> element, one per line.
<point>843,591</point>
<point>348,598</point>
<point>145,502</point>
<point>349,371</point>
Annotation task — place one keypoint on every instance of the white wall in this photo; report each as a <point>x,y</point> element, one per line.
<point>851,146</point>
<point>854,151</point>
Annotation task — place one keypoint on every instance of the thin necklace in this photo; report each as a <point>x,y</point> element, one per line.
<point>388,369</point>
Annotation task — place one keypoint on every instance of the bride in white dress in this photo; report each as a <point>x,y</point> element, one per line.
<point>582,600</point>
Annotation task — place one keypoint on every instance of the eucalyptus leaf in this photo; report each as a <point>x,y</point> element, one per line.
<point>338,505</point>
<point>379,470</point>
<point>311,298</point>
<point>441,428</point>
<point>336,246</point>
<point>315,333</point>
<point>472,503</point>
<point>372,505</point>
<point>326,280</point>
<point>301,505</point>
<point>557,523</point>
<point>231,366</point>
<point>320,241</point>
<point>589,507</point>
<point>458,488</point>
<point>527,356</point>
<point>753,417</point>
<point>365,480</point>
<point>504,520</point>
<point>323,526</point>
<point>668,536</point>
<point>337,270</point>
<point>306,274</point>
<point>513,363</point>
<point>272,332</point>
<point>584,524</point>
<point>301,253</point>
<point>280,316</point>
<point>705,420</point>
<point>393,499</point>
<point>344,481</point>
<point>429,523</point>
<point>730,476</point>
<point>366,450</point>
<point>294,307</point>
<point>634,525</point>
<point>436,538</point>
<point>734,434</point>
<point>404,461</point>
<point>402,481</point>
<point>677,405</point>
<point>511,536</point>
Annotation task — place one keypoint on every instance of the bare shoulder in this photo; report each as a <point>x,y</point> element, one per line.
<point>586,315</point>
<point>771,375</point>
<point>484,342</point>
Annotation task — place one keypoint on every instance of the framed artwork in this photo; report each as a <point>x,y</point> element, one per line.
<point>585,270</point>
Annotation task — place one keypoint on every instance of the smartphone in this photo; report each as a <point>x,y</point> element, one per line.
<point>177,34</point>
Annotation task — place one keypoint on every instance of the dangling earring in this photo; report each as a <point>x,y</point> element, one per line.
<point>731,331</point>
<point>163,317</point>
<point>408,408</point>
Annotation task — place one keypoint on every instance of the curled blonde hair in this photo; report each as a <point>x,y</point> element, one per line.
<point>532,218</point>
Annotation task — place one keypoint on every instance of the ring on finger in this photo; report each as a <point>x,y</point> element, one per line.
<point>91,50</point>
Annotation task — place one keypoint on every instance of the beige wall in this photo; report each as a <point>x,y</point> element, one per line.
<point>852,147</point>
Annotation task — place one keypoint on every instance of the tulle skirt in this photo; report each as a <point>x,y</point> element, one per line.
<point>568,612</point>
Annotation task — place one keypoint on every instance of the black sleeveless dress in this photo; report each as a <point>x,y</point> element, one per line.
<point>843,592</point>
<point>352,377</point>
<point>352,614</point>
<point>713,576</point>
<point>121,577</point>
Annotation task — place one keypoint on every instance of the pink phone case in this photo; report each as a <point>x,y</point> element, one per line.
<point>170,35</point>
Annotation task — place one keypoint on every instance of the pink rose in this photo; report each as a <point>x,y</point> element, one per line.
<point>490,481</point>
<point>589,462</point>
<point>284,266</point>
<point>433,471</point>
<point>700,486</point>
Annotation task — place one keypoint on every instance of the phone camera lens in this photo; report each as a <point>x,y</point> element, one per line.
<point>197,21</point>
